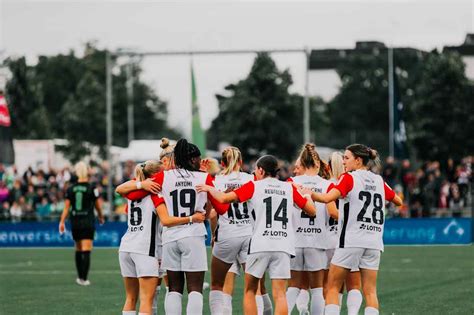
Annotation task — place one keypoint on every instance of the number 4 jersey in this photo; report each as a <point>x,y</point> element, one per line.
<point>362,216</point>
<point>273,202</point>
<point>142,234</point>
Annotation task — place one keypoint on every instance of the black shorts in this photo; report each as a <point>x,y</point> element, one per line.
<point>83,233</point>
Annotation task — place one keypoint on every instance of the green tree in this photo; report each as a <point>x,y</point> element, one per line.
<point>359,112</point>
<point>259,115</point>
<point>443,109</point>
<point>63,96</point>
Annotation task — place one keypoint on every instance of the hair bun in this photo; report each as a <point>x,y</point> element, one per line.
<point>373,154</point>
<point>165,142</point>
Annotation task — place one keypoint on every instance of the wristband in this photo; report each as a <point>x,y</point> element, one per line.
<point>190,219</point>
<point>139,185</point>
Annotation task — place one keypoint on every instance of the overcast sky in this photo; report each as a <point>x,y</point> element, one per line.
<point>33,28</point>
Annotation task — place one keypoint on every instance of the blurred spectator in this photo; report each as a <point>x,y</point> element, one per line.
<point>16,212</point>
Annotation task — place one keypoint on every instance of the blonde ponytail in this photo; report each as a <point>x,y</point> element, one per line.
<point>231,159</point>
<point>336,165</point>
<point>147,169</point>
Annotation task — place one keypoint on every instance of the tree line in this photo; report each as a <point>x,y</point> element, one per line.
<point>63,96</point>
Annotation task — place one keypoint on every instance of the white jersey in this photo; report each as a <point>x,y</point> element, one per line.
<point>332,237</point>
<point>311,231</point>
<point>142,236</point>
<point>236,222</point>
<point>272,201</point>
<point>363,216</point>
<point>182,200</point>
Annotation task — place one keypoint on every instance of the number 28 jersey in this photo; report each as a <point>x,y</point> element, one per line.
<point>142,234</point>
<point>272,201</point>
<point>363,214</point>
<point>236,222</point>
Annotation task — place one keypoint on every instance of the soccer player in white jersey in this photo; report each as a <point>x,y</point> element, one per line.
<point>310,260</point>
<point>184,250</point>
<point>138,252</point>
<point>353,280</point>
<point>361,226</point>
<point>234,228</point>
<point>272,242</point>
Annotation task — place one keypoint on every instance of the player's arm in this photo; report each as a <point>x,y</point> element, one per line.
<point>98,206</point>
<point>213,222</point>
<point>169,221</point>
<point>142,193</point>
<point>391,196</point>
<point>220,207</point>
<point>67,204</point>
<point>219,196</point>
<point>132,185</point>
<point>332,210</point>
<point>304,203</point>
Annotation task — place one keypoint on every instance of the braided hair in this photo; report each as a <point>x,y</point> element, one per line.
<point>309,158</point>
<point>184,152</point>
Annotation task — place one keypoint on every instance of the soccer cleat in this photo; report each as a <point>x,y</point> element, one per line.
<point>86,282</point>
<point>79,281</point>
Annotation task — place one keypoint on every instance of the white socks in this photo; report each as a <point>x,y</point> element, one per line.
<point>317,301</point>
<point>129,312</point>
<point>173,303</point>
<point>227,308</point>
<point>302,301</point>
<point>216,302</point>
<point>354,301</point>
<point>291,295</point>
<point>267,305</point>
<point>332,309</point>
<point>259,300</point>
<point>340,298</point>
<point>195,303</point>
<point>371,311</point>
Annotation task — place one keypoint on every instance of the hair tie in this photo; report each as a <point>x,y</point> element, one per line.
<point>143,165</point>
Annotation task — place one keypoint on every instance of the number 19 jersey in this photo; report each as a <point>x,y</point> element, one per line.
<point>142,236</point>
<point>363,214</point>
<point>182,200</point>
<point>236,222</point>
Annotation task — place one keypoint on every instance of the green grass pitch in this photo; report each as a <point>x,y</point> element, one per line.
<point>412,280</point>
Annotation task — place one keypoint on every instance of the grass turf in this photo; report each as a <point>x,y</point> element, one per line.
<point>412,280</point>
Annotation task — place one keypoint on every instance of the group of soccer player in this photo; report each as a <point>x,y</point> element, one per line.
<point>313,235</point>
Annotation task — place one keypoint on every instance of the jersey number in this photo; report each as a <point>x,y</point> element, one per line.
<point>305,216</point>
<point>333,221</point>
<point>234,211</point>
<point>187,199</point>
<point>377,213</point>
<point>280,214</point>
<point>78,196</point>
<point>135,215</point>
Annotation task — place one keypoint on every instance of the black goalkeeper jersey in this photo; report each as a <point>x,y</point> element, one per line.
<point>82,197</point>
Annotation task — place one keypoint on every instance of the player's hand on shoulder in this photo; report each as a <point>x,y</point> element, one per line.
<point>305,191</point>
<point>101,220</point>
<point>203,188</point>
<point>149,185</point>
<point>199,217</point>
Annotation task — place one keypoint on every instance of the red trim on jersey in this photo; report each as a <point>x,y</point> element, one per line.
<point>141,193</point>
<point>389,193</point>
<point>245,192</point>
<point>157,200</point>
<point>290,179</point>
<point>220,208</point>
<point>331,186</point>
<point>299,200</point>
<point>345,184</point>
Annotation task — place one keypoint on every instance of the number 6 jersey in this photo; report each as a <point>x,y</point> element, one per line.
<point>362,218</point>
<point>142,234</point>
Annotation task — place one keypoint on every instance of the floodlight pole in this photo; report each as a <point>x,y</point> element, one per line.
<point>306,114</point>
<point>109,121</point>
<point>130,120</point>
<point>390,102</point>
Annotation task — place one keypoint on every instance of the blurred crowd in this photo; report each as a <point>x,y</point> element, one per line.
<point>430,190</point>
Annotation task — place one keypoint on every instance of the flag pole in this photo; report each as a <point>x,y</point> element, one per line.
<point>390,100</point>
